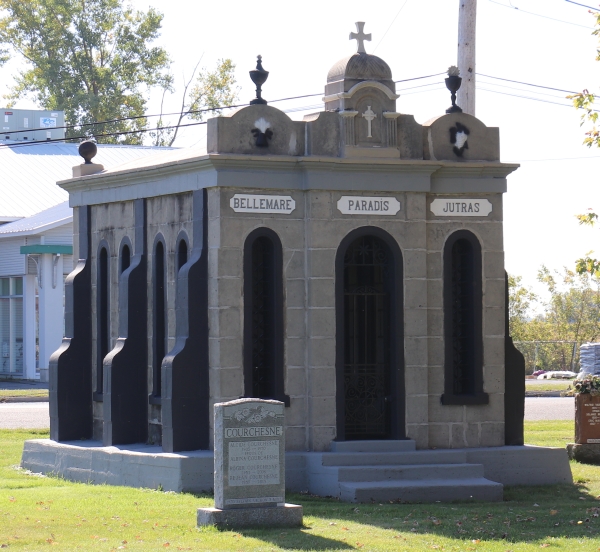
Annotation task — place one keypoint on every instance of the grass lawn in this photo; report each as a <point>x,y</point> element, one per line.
<point>43,513</point>
<point>547,385</point>
<point>9,393</point>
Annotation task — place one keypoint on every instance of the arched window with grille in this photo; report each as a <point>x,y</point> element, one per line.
<point>159,312</point>
<point>463,303</point>
<point>263,316</point>
<point>369,337</point>
<point>125,257</point>
<point>102,316</point>
<point>182,250</point>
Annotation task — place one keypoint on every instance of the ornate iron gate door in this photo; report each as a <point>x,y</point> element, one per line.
<point>367,339</point>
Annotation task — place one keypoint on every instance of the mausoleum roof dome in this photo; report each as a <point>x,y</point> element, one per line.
<point>360,66</point>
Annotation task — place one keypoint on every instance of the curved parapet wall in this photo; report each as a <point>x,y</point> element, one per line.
<point>460,137</point>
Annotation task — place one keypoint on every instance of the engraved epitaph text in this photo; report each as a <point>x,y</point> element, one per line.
<point>249,454</point>
<point>587,419</point>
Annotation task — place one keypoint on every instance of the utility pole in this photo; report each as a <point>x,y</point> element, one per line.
<point>467,17</point>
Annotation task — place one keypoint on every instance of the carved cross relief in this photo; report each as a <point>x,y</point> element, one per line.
<point>369,115</point>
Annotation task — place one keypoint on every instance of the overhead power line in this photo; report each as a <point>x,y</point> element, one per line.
<point>582,5</point>
<point>105,135</point>
<point>435,84</point>
<point>393,21</point>
<point>523,89</point>
<point>558,159</point>
<point>511,7</point>
<point>205,110</point>
<point>419,78</point>
<point>528,84</point>
<point>530,98</point>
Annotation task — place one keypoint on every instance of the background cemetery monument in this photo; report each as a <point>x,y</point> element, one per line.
<point>349,265</point>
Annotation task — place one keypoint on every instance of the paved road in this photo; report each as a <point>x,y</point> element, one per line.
<point>549,408</point>
<point>35,415</point>
<point>26,415</point>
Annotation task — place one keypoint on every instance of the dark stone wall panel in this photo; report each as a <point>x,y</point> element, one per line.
<point>185,392</point>
<point>125,383</point>
<point>514,387</point>
<point>70,365</point>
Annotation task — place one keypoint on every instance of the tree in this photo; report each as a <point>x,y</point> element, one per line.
<point>90,58</point>
<point>520,303</point>
<point>585,100</point>
<point>587,264</point>
<point>573,310</point>
<point>572,314</point>
<point>569,317</point>
<point>211,91</point>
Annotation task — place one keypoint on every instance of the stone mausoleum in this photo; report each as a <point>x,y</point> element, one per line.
<point>350,265</point>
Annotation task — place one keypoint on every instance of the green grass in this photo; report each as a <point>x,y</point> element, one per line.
<point>44,513</point>
<point>550,433</point>
<point>9,393</point>
<point>547,385</point>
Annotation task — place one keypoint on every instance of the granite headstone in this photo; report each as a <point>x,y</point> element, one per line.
<point>587,419</point>
<point>249,451</point>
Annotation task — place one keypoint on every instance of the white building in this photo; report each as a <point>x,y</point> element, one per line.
<point>36,246</point>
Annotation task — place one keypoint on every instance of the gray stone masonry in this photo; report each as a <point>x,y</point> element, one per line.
<point>313,231</point>
<point>360,169</point>
<point>366,149</point>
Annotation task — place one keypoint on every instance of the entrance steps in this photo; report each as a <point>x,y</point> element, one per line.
<point>376,471</point>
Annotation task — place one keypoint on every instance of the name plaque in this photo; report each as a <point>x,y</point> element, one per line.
<point>361,205</point>
<point>250,203</point>
<point>249,453</point>
<point>461,207</point>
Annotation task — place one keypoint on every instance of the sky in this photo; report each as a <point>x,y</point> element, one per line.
<point>536,42</point>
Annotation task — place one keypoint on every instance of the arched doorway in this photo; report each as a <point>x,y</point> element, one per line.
<point>370,376</point>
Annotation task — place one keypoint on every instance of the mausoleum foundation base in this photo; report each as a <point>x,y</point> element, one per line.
<point>146,466</point>
<point>287,515</point>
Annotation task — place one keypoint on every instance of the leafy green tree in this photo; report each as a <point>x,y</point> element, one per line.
<point>91,58</point>
<point>210,91</point>
<point>572,312</point>
<point>585,101</point>
<point>588,264</point>
<point>520,305</point>
<point>550,331</point>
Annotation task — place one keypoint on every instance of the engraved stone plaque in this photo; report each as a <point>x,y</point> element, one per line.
<point>249,454</point>
<point>361,205</point>
<point>253,203</point>
<point>587,419</point>
<point>461,207</point>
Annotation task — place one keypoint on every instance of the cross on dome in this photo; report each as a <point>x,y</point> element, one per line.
<point>360,37</point>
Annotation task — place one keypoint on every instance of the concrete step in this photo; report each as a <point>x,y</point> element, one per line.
<point>413,472</point>
<point>431,490</point>
<point>443,456</point>
<point>404,445</point>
